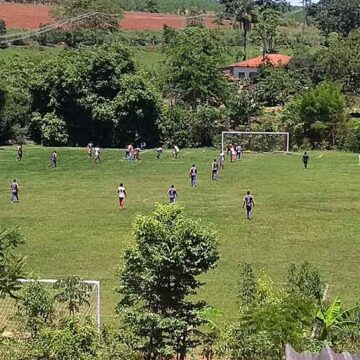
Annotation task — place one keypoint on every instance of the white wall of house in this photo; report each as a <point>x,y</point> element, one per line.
<point>244,72</point>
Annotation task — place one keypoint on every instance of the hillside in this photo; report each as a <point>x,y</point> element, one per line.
<point>27,16</point>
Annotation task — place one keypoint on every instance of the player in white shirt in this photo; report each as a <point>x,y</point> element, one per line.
<point>222,160</point>
<point>122,196</point>
<point>97,154</point>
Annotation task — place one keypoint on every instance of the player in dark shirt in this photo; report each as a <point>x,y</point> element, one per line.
<point>172,194</point>
<point>53,159</point>
<point>14,191</point>
<point>20,153</point>
<point>193,175</point>
<point>305,159</point>
<point>249,203</point>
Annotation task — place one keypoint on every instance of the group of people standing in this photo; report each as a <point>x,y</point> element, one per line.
<point>94,152</point>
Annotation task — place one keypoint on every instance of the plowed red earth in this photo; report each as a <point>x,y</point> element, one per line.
<point>19,16</point>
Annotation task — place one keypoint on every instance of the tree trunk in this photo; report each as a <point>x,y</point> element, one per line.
<point>245,41</point>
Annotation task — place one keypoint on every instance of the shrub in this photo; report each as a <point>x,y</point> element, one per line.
<point>2,27</point>
<point>352,142</point>
<point>52,129</point>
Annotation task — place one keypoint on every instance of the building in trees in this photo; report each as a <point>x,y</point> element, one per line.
<point>249,69</point>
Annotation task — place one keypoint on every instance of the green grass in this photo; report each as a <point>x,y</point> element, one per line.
<point>70,219</point>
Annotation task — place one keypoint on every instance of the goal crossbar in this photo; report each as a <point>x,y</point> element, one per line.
<point>286,134</point>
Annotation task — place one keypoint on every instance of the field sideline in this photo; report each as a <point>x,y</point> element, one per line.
<point>72,225</point>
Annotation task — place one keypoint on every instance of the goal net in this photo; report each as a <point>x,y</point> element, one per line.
<point>257,141</point>
<point>11,322</point>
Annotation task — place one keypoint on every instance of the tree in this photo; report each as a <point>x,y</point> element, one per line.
<point>52,129</point>
<point>103,14</point>
<point>242,105</point>
<point>74,292</point>
<point>276,85</point>
<point>2,27</point>
<point>11,263</point>
<point>353,136</point>
<point>340,16</point>
<point>159,275</point>
<point>2,104</point>
<point>323,113</point>
<point>268,319</point>
<point>304,281</point>
<point>16,72</point>
<point>36,308</point>
<point>266,31</point>
<point>193,58</point>
<point>242,13</point>
<point>339,62</point>
<point>95,93</point>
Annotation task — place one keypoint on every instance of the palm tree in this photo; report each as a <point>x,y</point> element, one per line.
<point>243,14</point>
<point>74,292</point>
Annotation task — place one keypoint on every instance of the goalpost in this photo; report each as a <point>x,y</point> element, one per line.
<point>262,141</point>
<point>12,323</point>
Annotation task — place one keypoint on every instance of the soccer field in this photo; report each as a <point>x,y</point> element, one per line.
<point>70,217</point>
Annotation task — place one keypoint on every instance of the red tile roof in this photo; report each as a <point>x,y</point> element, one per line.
<point>273,59</point>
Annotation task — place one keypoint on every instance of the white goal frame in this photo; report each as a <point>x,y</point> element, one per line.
<point>96,290</point>
<point>286,134</point>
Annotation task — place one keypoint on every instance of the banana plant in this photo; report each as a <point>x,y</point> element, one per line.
<point>334,317</point>
<point>210,337</point>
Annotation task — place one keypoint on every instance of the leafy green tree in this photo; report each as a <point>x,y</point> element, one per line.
<point>11,263</point>
<point>304,281</point>
<point>36,308</point>
<point>2,104</point>
<point>193,58</point>
<point>247,286</point>
<point>99,95</point>
<point>243,14</point>
<point>318,116</point>
<point>51,128</point>
<point>268,319</point>
<point>323,113</point>
<point>105,14</point>
<point>241,106</point>
<point>17,72</point>
<point>2,27</point>
<point>74,293</point>
<point>340,16</point>
<point>152,6</point>
<point>266,31</point>
<point>276,85</point>
<point>159,275</point>
<point>339,62</point>
<point>353,136</point>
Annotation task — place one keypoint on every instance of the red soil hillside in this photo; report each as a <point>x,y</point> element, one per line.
<point>19,16</point>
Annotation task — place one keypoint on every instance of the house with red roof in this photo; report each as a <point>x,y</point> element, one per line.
<point>249,69</point>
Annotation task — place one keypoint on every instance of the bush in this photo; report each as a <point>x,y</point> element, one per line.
<point>352,142</point>
<point>2,27</point>
<point>52,129</point>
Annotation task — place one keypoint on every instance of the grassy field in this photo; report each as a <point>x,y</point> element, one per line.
<point>72,225</point>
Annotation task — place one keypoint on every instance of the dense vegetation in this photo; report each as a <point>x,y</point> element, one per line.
<point>160,320</point>
<point>93,89</point>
